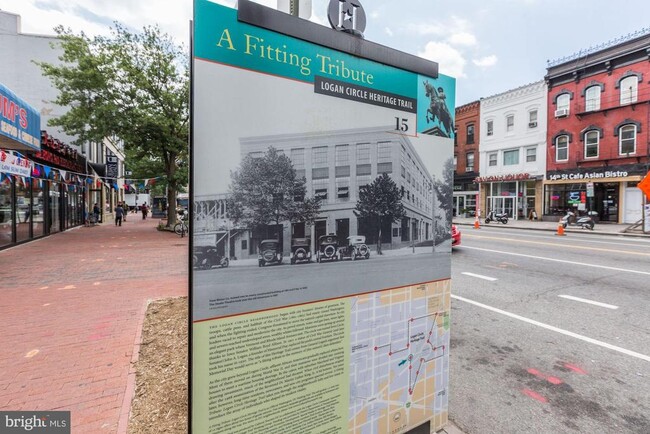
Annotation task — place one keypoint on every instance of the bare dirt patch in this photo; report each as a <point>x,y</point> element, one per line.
<point>160,401</point>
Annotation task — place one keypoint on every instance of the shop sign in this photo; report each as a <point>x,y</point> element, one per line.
<point>590,189</point>
<point>500,178</point>
<point>589,175</point>
<point>14,164</point>
<point>19,122</point>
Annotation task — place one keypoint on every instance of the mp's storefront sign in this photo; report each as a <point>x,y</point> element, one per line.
<point>309,329</point>
<point>591,174</point>
<point>20,123</point>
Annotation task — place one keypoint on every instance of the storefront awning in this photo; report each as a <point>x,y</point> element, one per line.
<point>100,169</point>
<point>20,123</point>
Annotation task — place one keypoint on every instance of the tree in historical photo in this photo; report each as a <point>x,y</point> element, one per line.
<point>445,193</point>
<point>380,202</point>
<point>265,190</point>
<point>131,89</point>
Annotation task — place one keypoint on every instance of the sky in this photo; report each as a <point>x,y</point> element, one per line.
<point>488,46</point>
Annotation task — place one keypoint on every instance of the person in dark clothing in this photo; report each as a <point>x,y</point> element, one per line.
<point>96,212</point>
<point>145,210</point>
<point>119,214</point>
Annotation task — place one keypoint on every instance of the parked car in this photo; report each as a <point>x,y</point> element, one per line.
<point>328,247</point>
<point>300,250</point>
<point>206,257</point>
<point>355,249</point>
<point>455,236</point>
<point>269,253</point>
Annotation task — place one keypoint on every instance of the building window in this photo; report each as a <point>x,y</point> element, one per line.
<point>492,159</point>
<point>320,173</point>
<point>510,123</point>
<point>455,162</point>
<point>320,193</point>
<point>511,157</point>
<point>320,156</point>
<point>531,155</point>
<point>363,153</point>
<point>384,152</point>
<point>562,148</point>
<point>403,169</point>
<point>342,171</point>
<point>342,155</point>
<point>562,105</point>
<point>629,89</point>
<point>244,245</point>
<point>627,139</point>
<point>532,119</point>
<point>470,134</point>
<point>297,157</point>
<point>591,144</point>
<point>343,192</point>
<point>592,98</point>
<point>364,169</point>
<point>469,162</point>
<point>385,167</point>
<point>490,128</point>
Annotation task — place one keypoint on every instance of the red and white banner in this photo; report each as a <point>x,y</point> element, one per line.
<point>15,165</point>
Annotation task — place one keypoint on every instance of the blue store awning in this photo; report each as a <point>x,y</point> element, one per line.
<point>20,123</point>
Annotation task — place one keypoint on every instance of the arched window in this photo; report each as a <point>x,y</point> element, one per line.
<point>591,144</point>
<point>629,89</point>
<point>562,148</point>
<point>563,101</point>
<point>627,139</point>
<point>592,98</point>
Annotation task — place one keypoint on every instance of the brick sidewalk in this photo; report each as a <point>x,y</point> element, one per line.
<point>71,310</point>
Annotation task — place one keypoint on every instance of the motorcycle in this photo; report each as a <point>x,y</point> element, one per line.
<point>585,222</point>
<point>501,218</point>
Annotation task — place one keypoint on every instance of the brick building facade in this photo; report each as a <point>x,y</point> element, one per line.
<point>466,158</point>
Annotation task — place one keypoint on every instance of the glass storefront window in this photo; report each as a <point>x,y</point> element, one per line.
<point>38,207</point>
<point>54,212</point>
<point>6,210</point>
<point>23,208</point>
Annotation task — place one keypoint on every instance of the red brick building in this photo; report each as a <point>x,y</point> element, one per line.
<point>598,142</point>
<point>466,162</point>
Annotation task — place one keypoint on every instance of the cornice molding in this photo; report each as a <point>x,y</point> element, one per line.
<point>509,95</point>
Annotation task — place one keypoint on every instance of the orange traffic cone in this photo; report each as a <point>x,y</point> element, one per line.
<point>477,225</point>
<point>560,228</point>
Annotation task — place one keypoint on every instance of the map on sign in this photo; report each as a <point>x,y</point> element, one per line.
<point>399,339</point>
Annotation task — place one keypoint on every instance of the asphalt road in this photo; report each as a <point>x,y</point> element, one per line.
<point>531,352</point>
<point>284,285</point>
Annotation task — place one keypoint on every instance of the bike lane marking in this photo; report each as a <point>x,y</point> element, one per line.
<point>584,300</point>
<point>605,267</point>
<point>555,329</point>
<point>480,276</point>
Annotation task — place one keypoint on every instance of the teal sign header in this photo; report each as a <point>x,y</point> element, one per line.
<point>20,123</point>
<point>219,37</point>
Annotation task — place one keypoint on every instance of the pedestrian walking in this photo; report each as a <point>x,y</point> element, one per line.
<point>119,214</point>
<point>145,210</point>
<point>125,207</point>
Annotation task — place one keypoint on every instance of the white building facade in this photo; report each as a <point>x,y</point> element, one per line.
<point>513,151</point>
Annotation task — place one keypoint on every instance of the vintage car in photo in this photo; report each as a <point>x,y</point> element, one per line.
<point>206,257</point>
<point>269,253</point>
<point>327,248</point>
<point>300,250</point>
<point>455,236</point>
<point>355,249</point>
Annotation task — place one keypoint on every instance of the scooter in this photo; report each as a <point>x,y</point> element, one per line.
<point>585,222</point>
<point>502,218</point>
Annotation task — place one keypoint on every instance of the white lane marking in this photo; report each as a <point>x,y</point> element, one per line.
<point>556,329</point>
<point>491,279</point>
<point>584,300</point>
<point>646,273</point>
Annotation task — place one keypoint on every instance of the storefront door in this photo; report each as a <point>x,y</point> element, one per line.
<point>607,201</point>
<point>502,205</point>
<point>459,205</point>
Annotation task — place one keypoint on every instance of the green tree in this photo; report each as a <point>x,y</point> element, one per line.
<point>444,189</point>
<point>380,202</point>
<point>266,191</point>
<point>130,89</point>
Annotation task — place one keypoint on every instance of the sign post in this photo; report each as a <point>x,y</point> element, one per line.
<point>321,164</point>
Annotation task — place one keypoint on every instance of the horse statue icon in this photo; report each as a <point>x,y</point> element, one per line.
<point>438,107</point>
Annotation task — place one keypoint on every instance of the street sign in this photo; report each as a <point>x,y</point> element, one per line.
<point>590,189</point>
<point>644,185</point>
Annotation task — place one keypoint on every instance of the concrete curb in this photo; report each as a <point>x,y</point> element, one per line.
<point>569,230</point>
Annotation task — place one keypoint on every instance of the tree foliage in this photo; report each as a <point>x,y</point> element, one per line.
<point>266,191</point>
<point>380,202</point>
<point>444,189</point>
<point>129,88</point>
